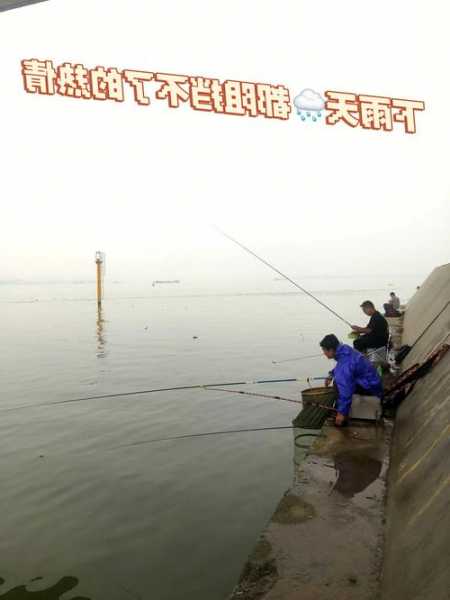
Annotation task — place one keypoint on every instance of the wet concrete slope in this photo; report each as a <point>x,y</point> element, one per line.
<point>325,538</point>
<point>417,542</point>
<point>335,532</point>
<point>11,4</point>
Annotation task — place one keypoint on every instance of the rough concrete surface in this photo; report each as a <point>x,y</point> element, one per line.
<point>325,537</point>
<point>432,299</point>
<point>417,550</point>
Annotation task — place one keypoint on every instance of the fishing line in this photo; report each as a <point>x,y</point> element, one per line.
<point>277,362</point>
<point>168,389</point>
<point>282,274</point>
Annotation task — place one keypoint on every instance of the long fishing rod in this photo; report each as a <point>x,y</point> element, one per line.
<point>168,389</point>
<point>196,435</point>
<point>277,362</point>
<point>282,274</point>
<point>218,389</point>
<point>302,402</point>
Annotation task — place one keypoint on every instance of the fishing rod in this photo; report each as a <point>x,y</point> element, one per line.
<point>196,435</point>
<point>282,274</point>
<point>167,389</point>
<point>277,362</point>
<point>302,402</point>
<point>228,431</point>
<point>253,394</point>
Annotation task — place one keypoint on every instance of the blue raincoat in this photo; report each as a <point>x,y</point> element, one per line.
<point>353,370</point>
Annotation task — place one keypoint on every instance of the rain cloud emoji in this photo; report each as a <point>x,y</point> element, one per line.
<point>309,104</point>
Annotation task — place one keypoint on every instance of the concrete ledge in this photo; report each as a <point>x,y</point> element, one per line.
<point>325,537</point>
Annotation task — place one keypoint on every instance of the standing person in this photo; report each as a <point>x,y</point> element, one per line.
<point>391,308</point>
<point>376,333</point>
<point>353,374</point>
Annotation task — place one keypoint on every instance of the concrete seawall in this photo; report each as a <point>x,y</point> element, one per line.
<point>367,515</point>
<point>417,538</point>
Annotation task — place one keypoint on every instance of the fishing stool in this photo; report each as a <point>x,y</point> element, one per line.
<point>378,356</point>
<point>365,407</point>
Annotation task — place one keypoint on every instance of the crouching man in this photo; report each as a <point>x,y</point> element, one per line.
<point>353,374</point>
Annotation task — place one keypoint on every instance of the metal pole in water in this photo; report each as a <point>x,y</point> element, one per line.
<point>99,263</point>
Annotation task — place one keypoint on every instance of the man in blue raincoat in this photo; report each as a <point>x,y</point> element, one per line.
<point>352,374</point>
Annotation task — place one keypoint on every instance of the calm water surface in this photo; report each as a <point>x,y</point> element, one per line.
<point>94,516</point>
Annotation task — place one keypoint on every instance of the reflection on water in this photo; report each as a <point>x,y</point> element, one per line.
<point>100,331</point>
<point>54,592</point>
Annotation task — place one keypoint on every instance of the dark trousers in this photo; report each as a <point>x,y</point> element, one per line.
<point>362,392</point>
<point>366,341</point>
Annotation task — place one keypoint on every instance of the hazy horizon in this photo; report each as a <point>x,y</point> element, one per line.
<point>145,184</point>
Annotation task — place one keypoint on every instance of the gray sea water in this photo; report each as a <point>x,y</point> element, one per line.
<point>93,513</point>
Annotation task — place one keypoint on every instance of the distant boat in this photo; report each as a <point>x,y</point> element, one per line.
<point>158,282</point>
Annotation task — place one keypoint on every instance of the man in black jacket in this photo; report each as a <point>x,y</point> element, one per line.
<point>375,334</point>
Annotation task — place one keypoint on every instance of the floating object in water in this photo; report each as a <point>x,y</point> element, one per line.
<point>195,337</point>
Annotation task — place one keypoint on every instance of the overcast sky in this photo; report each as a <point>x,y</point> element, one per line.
<point>144,184</point>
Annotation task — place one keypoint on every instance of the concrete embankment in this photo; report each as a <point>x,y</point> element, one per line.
<point>336,533</point>
<point>417,547</point>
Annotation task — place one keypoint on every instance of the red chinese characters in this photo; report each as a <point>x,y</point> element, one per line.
<point>371,112</point>
<point>200,93</point>
<point>207,94</point>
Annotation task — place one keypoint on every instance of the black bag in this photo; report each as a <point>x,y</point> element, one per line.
<point>402,353</point>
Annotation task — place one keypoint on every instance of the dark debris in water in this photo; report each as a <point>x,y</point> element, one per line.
<point>54,592</point>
